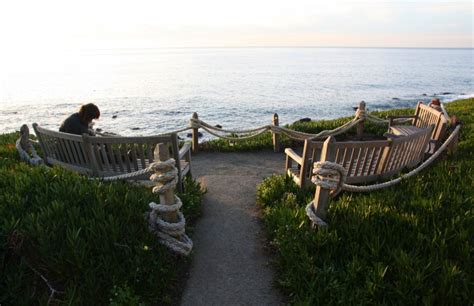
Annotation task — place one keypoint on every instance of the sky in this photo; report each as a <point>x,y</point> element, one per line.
<point>70,25</point>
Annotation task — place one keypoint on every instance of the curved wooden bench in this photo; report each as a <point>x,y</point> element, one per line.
<point>424,117</point>
<point>364,161</point>
<point>110,156</point>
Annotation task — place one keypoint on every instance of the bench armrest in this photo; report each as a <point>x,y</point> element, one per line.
<point>185,149</point>
<point>393,118</point>
<point>391,136</point>
<point>292,154</point>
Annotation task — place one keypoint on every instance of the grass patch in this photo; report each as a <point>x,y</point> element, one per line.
<point>88,238</point>
<point>410,244</point>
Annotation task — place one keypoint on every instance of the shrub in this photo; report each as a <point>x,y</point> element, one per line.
<point>87,238</point>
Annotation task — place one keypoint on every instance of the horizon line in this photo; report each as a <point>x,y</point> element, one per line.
<point>277,47</point>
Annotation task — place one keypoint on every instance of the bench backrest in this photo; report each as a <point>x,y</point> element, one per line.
<point>118,155</point>
<point>366,161</point>
<point>360,158</point>
<point>426,116</point>
<point>102,156</point>
<point>405,152</point>
<point>63,149</point>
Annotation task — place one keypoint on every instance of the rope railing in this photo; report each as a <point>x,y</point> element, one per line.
<point>246,134</point>
<point>360,116</point>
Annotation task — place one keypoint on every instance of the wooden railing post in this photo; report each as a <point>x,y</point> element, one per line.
<point>321,196</point>
<point>276,136</point>
<point>195,135</point>
<point>167,198</point>
<point>360,125</point>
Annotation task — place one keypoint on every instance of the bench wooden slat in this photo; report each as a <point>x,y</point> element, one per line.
<point>141,152</point>
<point>133,153</point>
<point>64,151</point>
<point>126,157</point>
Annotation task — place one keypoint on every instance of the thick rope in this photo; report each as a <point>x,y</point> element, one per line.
<point>312,215</point>
<point>329,175</point>
<point>171,234</point>
<point>251,133</point>
<point>196,123</point>
<point>33,158</point>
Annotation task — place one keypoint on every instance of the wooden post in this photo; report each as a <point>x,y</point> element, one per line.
<point>360,125</point>
<point>161,153</point>
<point>321,196</point>
<point>195,136</point>
<point>276,136</point>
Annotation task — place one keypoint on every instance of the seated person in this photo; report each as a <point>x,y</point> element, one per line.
<point>436,104</point>
<point>79,123</point>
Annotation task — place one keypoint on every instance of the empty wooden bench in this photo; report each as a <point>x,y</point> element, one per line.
<point>364,161</point>
<point>424,116</point>
<point>110,156</point>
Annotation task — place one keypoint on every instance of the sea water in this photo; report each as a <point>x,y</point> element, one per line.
<point>153,91</point>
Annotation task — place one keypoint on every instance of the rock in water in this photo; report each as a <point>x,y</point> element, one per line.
<point>189,135</point>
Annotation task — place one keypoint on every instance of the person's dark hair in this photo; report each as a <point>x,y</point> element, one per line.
<point>435,101</point>
<point>89,111</point>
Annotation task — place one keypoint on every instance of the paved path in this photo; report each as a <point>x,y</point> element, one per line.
<point>230,266</point>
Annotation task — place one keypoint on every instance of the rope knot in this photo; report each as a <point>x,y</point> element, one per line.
<point>194,123</point>
<point>329,175</point>
<point>361,114</point>
<point>165,175</point>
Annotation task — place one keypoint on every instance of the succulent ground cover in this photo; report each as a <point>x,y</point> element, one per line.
<point>410,244</point>
<point>88,240</point>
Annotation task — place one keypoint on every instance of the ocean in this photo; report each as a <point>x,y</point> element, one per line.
<point>154,91</point>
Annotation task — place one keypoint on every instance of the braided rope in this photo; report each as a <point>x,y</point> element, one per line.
<point>153,167</point>
<point>181,130</point>
<point>33,158</point>
<point>171,234</point>
<point>312,215</point>
<point>329,175</point>
<point>323,134</point>
<point>235,138</point>
<point>196,123</point>
<point>361,114</point>
<point>297,135</point>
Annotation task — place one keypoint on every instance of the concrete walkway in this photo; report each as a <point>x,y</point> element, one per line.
<point>230,266</point>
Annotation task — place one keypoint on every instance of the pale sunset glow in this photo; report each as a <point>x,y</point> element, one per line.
<point>60,25</point>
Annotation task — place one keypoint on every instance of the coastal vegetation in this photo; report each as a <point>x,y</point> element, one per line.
<point>88,240</point>
<point>85,239</point>
<point>409,244</point>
